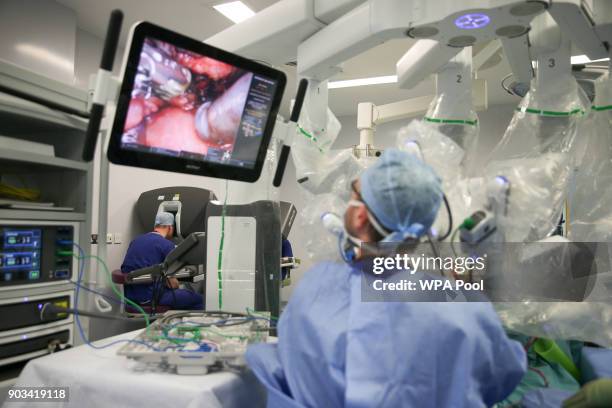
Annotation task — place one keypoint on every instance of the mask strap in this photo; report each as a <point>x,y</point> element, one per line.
<point>379,228</point>
<point>355,203</point>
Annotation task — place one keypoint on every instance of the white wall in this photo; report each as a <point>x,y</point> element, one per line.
<point>39,35</point>
<point>493,124</point>
<point>88,55</point>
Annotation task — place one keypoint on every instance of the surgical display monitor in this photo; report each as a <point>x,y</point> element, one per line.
<point>185,106</point>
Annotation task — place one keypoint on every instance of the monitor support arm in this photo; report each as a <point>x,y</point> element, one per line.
<point>106,87</point>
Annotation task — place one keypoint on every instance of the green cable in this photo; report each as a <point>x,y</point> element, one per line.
<point>220,256</point>
<point>229,336</point>
<point>452,121</point>
<point>177,340</point>
<point>551,352</point>
<point>551,113</point>
<point>117,291</point>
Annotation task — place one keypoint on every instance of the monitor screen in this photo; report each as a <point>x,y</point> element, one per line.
<point>186,106</point>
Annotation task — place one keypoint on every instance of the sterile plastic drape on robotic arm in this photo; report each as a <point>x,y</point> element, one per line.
<point>535,155</point>
<point>437,149</point>
<point>538,155</point>
<point>590,220</point>
<point>452,112</point>
<point>318,168</point>
<point>590,215</point>
<point>324,176</point>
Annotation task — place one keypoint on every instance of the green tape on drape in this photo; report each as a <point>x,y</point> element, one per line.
<point>452,121</point>
<point>309,136</point>
<point>601,108</point>
<point>542,112</point>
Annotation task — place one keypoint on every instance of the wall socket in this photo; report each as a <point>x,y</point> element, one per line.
<point>109,238</point>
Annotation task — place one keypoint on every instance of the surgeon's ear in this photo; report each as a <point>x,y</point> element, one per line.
<point>361,217</point>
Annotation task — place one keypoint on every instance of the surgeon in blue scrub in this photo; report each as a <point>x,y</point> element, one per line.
<point>151,249</point>
<point>336,351</point>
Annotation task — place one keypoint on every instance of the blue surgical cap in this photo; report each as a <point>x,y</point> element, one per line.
<point>402,193</point>
<point>164,219</point>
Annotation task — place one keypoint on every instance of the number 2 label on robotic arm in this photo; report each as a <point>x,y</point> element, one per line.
<point>188,107</point>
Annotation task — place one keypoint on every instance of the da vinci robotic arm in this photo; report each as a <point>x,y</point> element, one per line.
<point>319,36</point>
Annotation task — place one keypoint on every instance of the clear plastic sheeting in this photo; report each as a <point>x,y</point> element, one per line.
<point>337,169</point>
<point>329,192</point>
<point>452,112</point>
<point>466,136</point>
<point>535,155</point>
<point>465,195</point>
<point>321,243</point>
<point>460,126</point>
<point>437,149</point>
<point>312,157</point>
<point>324,176</point>
<point>590,213</point>
<point>590,322</point>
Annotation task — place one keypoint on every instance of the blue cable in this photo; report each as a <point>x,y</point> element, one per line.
<point>76,312</point>
<point>107,297</point>
<point>80,327</point>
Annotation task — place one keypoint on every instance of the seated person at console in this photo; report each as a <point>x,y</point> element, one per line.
<point>151,249</point>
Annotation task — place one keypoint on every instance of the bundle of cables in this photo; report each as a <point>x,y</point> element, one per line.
<point>222,319</point>
<point>18,193</point>
<point>182,328</point>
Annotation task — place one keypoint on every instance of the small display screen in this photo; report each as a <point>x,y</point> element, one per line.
<point>185,106</point>
<point>32,254</point>
<point>20,254</point>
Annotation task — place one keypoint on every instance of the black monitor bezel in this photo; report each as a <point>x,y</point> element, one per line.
<point>134,158</point>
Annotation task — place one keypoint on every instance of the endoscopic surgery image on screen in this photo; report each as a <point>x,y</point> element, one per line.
<point>187,105</point>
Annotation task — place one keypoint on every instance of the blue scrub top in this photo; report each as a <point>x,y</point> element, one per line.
<point>335,350</point>
<point>146,250</point>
